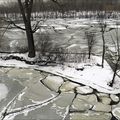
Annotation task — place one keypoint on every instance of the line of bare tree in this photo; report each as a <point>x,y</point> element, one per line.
<point>67,8</point>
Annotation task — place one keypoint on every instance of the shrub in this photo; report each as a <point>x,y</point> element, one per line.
<point>48,51</point>
<point>90,37</point>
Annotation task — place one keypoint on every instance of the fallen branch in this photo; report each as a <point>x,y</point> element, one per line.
<point>4,111</point>
<point>30,107</point>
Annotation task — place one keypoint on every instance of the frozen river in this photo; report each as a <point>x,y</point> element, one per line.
<point>66,33</point>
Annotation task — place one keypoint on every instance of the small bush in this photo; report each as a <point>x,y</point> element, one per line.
<point>48,51</point>
<point>44,43</point>
<point>90,37</point>
<point>22,49</point>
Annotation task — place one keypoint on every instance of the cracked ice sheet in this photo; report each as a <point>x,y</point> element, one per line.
<point>52,110</point>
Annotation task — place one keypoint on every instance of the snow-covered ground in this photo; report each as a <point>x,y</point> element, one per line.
<point>89,73</point>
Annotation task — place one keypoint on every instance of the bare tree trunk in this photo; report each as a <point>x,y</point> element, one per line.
<point>115,70</point>
<point>31,47</point>
<point>26,14</point>
<point>89,54</point>
<point>118,56</point>
<point>103,53</point>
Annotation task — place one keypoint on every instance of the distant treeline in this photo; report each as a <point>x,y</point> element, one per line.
<point>62,8</point>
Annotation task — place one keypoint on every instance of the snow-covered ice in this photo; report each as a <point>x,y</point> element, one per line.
<point>3,91</point>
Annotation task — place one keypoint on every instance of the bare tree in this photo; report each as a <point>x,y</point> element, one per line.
<point>90,36</point>
<point>103,28</point>
<point>26,10</point>
<point>102,24</point>
<point>115,70</point>
<point>116,55</point>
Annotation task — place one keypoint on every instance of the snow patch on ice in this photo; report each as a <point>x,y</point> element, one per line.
<point>116,112</point>
<point>20,96</point>
<point>3,91</point>
<point>71,46</point>
<point>13,43</point>
<point>10,117</point>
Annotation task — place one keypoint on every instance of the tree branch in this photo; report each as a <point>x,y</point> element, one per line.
<point>13,23</point>
<point>17,25</point>
<point>4,31</point>
<point>36,26</point>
